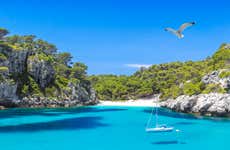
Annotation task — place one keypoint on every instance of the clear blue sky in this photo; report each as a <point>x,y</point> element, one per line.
<point>108,34</point>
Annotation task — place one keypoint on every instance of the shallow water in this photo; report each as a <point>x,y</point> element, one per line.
<point>107,128</point>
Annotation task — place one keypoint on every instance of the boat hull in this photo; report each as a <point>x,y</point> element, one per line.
<point>160,129</point>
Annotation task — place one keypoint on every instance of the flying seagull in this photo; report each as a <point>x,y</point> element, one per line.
<point>178,32</point>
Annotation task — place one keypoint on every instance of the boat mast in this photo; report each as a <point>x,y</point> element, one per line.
<point>156,111</point>
<point>156,116</point>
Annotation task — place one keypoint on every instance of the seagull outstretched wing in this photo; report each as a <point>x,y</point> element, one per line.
<point>172,31</point>
<point>185,25</point>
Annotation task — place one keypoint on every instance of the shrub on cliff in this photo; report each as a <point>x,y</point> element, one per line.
<point>2,57</point>
<point>213,88</point>
<point>191,88</point>
<point>224,74</point>
<point>3,69</point>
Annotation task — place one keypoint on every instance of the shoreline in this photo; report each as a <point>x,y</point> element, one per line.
<point>133,103</point>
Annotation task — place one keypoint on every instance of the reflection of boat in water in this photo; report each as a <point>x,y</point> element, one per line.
<point>157,128</point>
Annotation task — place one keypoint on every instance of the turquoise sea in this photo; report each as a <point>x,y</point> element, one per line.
<point>107,128</point>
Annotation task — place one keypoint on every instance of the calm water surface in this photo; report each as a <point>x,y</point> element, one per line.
<point>107,128</point>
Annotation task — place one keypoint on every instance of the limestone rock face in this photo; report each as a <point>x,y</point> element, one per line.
<point>17,61</point>
<point>213,78</point>
<point>42,71</point>
<point>183,103</point>
<point>83,92</point>
<point>38,102</point>
<point>225,82</point>
<point>8,91</point>
<point>4,62</point>
<point>213,104</point>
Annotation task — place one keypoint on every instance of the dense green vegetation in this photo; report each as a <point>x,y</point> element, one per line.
<point>169,79</point>
<point>37,67</point>
<point>224,74</point>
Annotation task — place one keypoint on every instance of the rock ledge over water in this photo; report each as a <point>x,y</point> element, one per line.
<point>213,104</point>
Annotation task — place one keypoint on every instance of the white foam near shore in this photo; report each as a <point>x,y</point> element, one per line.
<point>136,103</point>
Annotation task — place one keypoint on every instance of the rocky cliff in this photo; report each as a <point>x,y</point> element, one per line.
<point>212,104</point>
<point>34,74</point>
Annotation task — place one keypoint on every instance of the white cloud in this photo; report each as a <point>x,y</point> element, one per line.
<point>138,65</point>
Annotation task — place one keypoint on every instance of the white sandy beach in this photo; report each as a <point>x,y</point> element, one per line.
<point>149,102</point>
